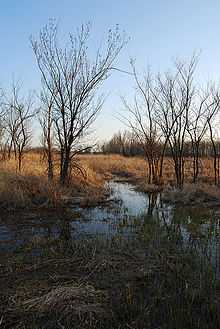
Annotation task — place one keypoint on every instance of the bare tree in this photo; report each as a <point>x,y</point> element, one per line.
<point>72,80</point>
<point>19,112</point>
<point>174,99</point>
<point>200,114</point>
<point>213,105</point>
<point>11,121</point>
<point>143,123</point>
<point>4,140</point>
<point>46,122</point>
<point>118,143</point>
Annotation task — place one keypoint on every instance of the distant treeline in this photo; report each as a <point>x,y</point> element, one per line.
<point>126,144</point>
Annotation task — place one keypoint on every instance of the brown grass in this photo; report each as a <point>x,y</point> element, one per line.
<point>136,167</point>
<point>98,167</point>
<point>20,191</point>
<point>31,187</point>
<point>200,193</point>
<point>143,282</point>
<point>65,300</point>
<point>109,165</point>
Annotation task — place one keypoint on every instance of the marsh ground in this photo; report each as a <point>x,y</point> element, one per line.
<point>115,268</point>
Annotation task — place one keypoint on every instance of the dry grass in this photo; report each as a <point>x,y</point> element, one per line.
<point>136,167</point>
<point>98,167</point>
<point>20,191</point>
<point>30,187</point>
<point>200,193</point>
<point>146,282</point>
<point>109,165</point>
<point>78,299</point>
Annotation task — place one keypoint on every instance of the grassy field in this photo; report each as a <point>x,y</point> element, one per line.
<point>99,164</point>
<point>136,167</point>
<point>30,187</point>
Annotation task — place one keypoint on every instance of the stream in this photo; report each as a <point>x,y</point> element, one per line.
<point>198,226</point>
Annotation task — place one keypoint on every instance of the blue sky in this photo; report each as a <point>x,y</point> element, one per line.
<point>159,31</point>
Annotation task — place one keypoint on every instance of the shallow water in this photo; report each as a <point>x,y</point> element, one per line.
<point>19,227</point>
<point>197,226</point>
<point>110,219</point>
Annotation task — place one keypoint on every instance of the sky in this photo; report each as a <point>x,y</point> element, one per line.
<point>159,31</point>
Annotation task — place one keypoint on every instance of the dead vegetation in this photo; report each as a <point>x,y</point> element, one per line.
<point>135,168</point>
<point>146,282</point>
<point>199,194</point>
<point>66,301</point>
<point>31,188</point>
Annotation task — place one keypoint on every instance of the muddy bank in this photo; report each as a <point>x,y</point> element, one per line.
<point>193,195</point>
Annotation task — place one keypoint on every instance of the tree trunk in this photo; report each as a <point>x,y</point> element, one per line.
<point>49,163</point>
<point>50,169</point>
<point>214,151</point>
<point>19,161</point>
<point>65,167</point>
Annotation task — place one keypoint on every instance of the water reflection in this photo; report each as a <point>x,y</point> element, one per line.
<point>153,198</point>
<point>197,227</point>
